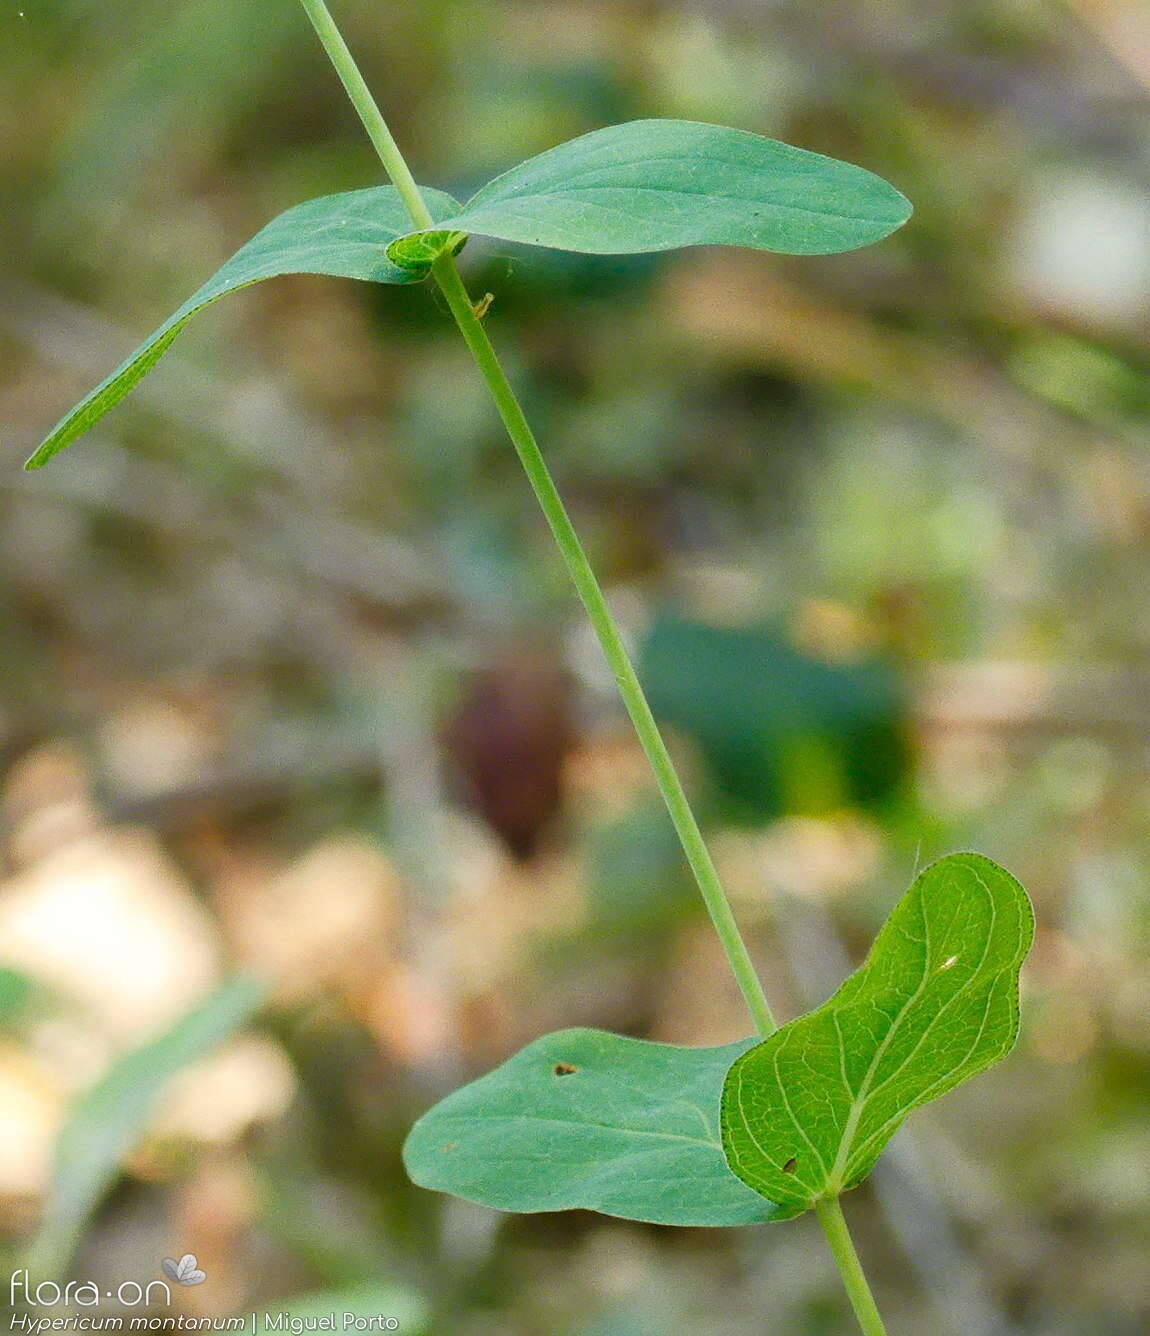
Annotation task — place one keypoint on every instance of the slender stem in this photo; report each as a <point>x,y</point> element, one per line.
<point>579,567</point>
<point>830,1214</point>
<point>369,113</point>
<point>591,594</point>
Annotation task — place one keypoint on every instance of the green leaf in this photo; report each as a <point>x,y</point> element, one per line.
<point>344,235</point>
<point>638,883</point>
<point>110,1118</point>
<point>806,1113</point>
<point>16,991</point>
<point>780,730</point>
<point>585,1119</point>
<point>661,184</point>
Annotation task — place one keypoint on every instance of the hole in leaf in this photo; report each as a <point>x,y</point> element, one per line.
<point>789,1167</point>
<point>564,1069</point>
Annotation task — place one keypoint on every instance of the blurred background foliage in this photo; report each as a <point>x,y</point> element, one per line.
<point>292,683</point>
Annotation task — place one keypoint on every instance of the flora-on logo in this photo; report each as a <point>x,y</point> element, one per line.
<point>184,1272</point>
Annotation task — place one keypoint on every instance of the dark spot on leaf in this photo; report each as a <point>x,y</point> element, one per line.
<point>564,1069</point>
<point>451,1145</point>
<point>789,1167</point>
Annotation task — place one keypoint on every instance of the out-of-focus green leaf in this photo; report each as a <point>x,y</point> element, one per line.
<point>110,1118</point>
<point>807,1112</point>
<point>624,1322</point>
<point>344,235</point>
<point>585,1119</point>
<point>638,879</point>
<point>16,990</point>
<point>780,730</point>
<point>165,70</point>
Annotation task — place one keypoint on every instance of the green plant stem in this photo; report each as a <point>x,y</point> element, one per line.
<point>538,474</point>
<point>365,104</point>
<point>830,1214</point>
<point>591,594</point>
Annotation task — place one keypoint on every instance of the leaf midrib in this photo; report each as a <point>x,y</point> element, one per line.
<point>561,190</point>
<point>859,1101</point>
<point>954,997</point>
<point>605,1127</point>
<point>928,1095</point>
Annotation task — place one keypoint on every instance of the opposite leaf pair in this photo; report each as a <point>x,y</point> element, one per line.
<point>645,186</point>
<point>748,1132</point>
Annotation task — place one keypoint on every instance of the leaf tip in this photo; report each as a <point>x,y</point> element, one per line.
<point>38,458</point>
